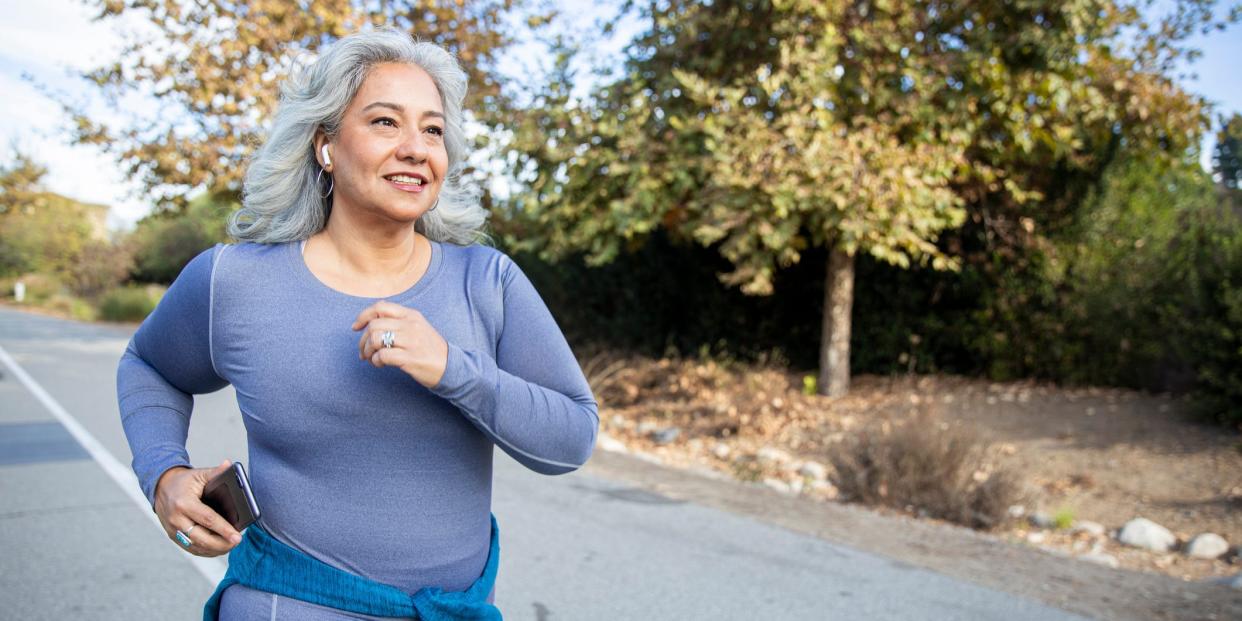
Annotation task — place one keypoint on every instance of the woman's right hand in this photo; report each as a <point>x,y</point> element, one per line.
<point>179,505</point>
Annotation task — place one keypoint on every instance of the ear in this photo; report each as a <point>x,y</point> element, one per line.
<point>321,141</point>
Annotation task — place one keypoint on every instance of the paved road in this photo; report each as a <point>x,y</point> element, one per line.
<point>78,544</point>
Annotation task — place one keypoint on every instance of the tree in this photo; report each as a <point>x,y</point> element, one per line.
<point>1227,157</point>
<point>41,231</point>
<point>20,182</point>
<point>877,126</point>
<point>214,68</point>
<point>163,243</point>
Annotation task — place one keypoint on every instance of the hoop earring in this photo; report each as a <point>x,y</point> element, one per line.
<point>319,182</point>
<point>433,207</point>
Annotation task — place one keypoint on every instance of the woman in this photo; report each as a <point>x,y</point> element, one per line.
<point>377,355</point>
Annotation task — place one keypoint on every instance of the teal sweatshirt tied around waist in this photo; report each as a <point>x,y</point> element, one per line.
<point>265,564</point>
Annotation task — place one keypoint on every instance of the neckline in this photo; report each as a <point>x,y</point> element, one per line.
<point>294,253</point>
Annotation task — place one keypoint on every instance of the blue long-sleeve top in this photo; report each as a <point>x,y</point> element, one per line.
<point>362,468</point>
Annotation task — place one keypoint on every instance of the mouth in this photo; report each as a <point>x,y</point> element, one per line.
<point>408,182</point>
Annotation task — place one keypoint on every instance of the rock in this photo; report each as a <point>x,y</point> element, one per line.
<point>1016,511</point>
<point>646,427</point>
<point>1101,558</point>
<point>1234,581</point>
<point>1207,545</point>
<point>1055,551</point>
<point>608,443</point>
<point>619,421</point>
<point>778,485</point>
<point>796,486</point>
<point>825,489</point>
<point>1040,519</point>
<point>1095,529</point>
<point>1037,537</point>
<point>813,470</point>
<point>721,450</point>
<point>769,455</point>
<point>666,436</point>
<point>1146,534</point>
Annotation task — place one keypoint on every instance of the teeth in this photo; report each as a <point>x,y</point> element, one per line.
<point>405,179</point>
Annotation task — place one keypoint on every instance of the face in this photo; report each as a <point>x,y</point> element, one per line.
<point>389,158</point>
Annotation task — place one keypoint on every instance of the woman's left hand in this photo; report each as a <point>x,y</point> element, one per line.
<point>416,348</point>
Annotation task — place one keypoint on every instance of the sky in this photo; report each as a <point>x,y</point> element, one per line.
<point>53,40</point>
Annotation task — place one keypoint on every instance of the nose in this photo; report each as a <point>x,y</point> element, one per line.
<point>413,147</point>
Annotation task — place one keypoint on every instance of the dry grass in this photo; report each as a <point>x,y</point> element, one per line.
<point>929,468</point>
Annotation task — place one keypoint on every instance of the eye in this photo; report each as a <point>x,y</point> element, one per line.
<point>383,120</point>
<point>436,130</point>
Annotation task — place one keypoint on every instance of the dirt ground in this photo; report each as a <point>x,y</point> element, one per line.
<point>1103,455</point>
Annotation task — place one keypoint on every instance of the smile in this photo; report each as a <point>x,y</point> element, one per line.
<point>407,183</point>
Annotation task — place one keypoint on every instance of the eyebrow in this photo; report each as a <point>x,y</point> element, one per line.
<point>400,108</point>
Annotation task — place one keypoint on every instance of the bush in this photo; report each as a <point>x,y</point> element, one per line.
<point>1205,273</point>
<point>163,243</point>
<point>130,303</point>
<point>39,288</point>
<point>71,306</point>
<point>921,467</point>
<point>98,267</point>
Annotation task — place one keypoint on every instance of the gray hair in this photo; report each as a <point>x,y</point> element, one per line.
<point>282,197</point>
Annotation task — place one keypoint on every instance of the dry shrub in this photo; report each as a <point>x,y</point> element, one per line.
<point>924,467</point>
<point>602,369</point>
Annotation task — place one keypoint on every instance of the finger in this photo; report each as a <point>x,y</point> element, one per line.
<point>202,540</point>
<point>217,471</point>
<point>189,537</point>
<point>364,317</point>
<point>373,338</point>
<point>215,531</point>
<point>379,309</point>
<point>387,357</point>
<point>371,327</point>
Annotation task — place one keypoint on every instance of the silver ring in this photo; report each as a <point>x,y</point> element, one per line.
<point>183,540</point>
<point>388,338</point>
<point>191,528</point>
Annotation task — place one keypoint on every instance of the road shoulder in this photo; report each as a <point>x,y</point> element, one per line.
<point>979,558</point>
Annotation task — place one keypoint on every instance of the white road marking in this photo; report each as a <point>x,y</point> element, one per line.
<point>211,568</point>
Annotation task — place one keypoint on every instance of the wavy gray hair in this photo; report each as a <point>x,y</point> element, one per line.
<point>282,198</point>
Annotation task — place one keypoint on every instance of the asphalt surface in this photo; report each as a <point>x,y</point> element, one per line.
<point>79,541</point>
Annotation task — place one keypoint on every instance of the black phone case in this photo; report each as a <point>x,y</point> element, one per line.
<point>229,495</point>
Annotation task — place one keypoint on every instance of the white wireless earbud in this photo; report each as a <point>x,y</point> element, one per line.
<point>327,160</point>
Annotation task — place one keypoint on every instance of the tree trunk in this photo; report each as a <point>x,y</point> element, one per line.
<point>834,344</point>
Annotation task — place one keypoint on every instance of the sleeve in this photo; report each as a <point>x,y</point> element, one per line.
<point>532,400</point>
<point>168,360</point>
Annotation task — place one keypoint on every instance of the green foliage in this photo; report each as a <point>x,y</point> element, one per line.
<point>637,303</point>
<point>130,303</point>
<point>914,134</point>
<point>1135,291</point>
<point>44,232</point>
<point>163,243</point>
<point>1063,519</point>
<point>1205,274</point>
<point>767,129</point>
<point>808,385</point>
<point>20,181</point>
<point>1227,156</point>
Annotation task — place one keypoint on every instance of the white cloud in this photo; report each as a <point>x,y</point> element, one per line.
<point>48,40</point>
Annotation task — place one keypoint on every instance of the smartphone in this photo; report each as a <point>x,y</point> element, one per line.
<point>229,495</point>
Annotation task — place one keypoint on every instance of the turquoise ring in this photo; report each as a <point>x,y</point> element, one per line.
<point>183,540</point>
